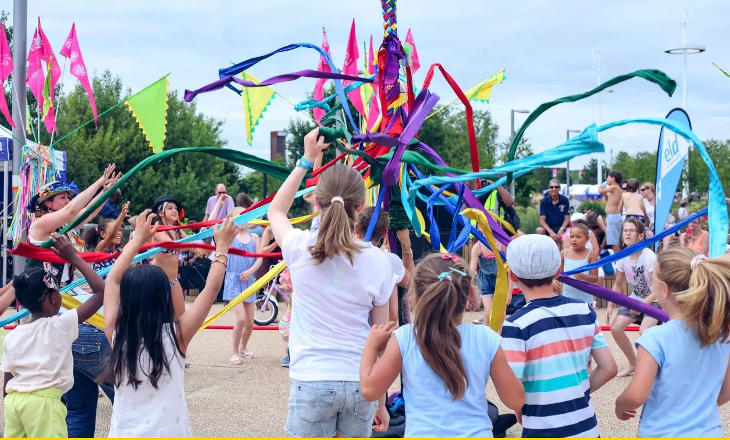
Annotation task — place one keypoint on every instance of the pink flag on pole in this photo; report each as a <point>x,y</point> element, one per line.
<point>6,68</point>
<point>374,109</point>
<point>555,172</point>
<point>46,55</point>
<point>415,62</point>
<point>319,84</point>
<point>352,54</point>
<point>72,51</point>
<point>34,77</point>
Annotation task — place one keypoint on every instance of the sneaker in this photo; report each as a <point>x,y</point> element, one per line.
<point>285,363</point>
<point>478,321</point>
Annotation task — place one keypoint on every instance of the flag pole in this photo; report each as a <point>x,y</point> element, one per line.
<point>20,46</point>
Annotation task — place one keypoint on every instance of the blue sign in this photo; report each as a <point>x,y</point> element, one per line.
<point>6,149</point>
<point>671,155</point>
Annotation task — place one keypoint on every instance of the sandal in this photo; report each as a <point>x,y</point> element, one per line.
<point>235,360</point>
<point>248,354</point>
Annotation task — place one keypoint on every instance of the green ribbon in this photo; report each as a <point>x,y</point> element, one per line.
<point>239,157</point>
<point>656,76</point>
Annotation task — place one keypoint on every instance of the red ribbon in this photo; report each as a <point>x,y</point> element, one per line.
<point>41,254</point>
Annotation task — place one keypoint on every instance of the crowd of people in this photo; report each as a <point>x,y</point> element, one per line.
<point>343,343</point>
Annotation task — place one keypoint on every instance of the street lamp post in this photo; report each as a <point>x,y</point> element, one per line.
<point>684,50</point>
<point>567,167</point>
<point>512,137</point>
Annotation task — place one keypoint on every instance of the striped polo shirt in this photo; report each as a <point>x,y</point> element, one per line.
<point>547,344</point>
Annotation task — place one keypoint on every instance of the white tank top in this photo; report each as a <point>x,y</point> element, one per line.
<point>149,411</point>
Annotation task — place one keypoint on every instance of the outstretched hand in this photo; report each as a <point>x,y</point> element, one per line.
<point>223,233</point>
<point>62,247</point>
<point>144,230</point>
<point>125,210</point>
<point>380,335</point>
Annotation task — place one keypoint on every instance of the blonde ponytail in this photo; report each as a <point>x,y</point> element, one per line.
<point>340,193</point>
<point>702,291</point>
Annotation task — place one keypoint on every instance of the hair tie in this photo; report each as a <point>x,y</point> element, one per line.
<point>453,258</point>
<point>444,276</point>
<point>337,199</point>
<point>697,260</point>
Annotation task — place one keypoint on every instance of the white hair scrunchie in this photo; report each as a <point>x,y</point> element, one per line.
<point>697,260</point>
<point>337,199</point>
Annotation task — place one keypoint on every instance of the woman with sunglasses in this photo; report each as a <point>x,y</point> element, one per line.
<point>649,194</point>
<point>636,270</point>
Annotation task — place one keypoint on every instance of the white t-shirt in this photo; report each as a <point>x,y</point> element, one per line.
<point>39,355</point>
<point>397,264</point>
<point>330,316</point>
<point>638,273</point>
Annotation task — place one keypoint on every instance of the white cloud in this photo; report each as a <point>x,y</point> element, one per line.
<point>545,46</point>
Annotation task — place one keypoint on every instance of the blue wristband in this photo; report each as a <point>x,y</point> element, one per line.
<point>305,163</point>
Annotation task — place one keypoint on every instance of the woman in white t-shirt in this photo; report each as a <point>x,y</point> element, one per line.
<point>341,285</point>
<point>636,270</point>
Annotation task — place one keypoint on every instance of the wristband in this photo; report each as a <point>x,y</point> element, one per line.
<point>221,262</point>
<point>218,254</point>
<point>305,163</point>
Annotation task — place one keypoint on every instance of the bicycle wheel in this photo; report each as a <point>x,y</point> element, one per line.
<point>265,311</point>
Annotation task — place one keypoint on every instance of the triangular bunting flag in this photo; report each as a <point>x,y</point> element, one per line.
<point>483,90</point>
<point>255,101</point>
<point>149,106</point>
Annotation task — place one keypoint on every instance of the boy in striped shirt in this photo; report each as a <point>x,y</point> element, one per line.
<point>547,344</point>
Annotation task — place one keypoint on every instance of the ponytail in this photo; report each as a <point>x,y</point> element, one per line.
<point>439,293</point>
<point>92,236</point>
<point>340,193</point>
<point>702,290</point>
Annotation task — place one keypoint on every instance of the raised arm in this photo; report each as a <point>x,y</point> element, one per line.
<point>280,225</point>
<point>143,232</point>
<point>64,249</point>
<point>193,318</point>
<point>7,296</point>
<point>103,245</point>
<point>112,181</point>
<point>218,205</point>
<point>48,223</point>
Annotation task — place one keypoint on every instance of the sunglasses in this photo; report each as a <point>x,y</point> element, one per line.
<point>555,187</point>
<point>221,192</point>
<point>644,188</point>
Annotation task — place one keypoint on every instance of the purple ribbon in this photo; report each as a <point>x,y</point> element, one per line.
<point>616,297</point>
<point>217,85</point>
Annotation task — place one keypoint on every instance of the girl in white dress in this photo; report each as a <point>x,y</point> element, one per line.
<point>148,343</point>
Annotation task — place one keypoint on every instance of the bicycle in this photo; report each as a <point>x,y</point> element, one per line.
<point>267,308</point>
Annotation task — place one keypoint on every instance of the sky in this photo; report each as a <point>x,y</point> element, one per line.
<point>545,46</point>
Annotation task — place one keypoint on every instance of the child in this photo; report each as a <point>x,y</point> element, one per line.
<point>285,322</point>
<point>445,363</point>
<point>579,217</point>
<point>482,258</point>
<point>548,342</point>
<point>38,362</point>
<point>578,255</point>
<point>342,285</point>
<point>633,202</point>
<point>106,237</point>
<point>636,270</point>
<point>682,372</point>
<point>611,189</point>
<point>381,228</point>
<point>240,274</point>
<point>148,342</point>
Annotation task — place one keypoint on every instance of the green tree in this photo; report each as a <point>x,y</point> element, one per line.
<point>590,172</point>
<point>719,152</point>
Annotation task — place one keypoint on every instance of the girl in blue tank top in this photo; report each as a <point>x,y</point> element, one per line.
<point>445,362</point>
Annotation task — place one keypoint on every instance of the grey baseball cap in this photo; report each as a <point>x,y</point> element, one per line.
<point>533,257</point>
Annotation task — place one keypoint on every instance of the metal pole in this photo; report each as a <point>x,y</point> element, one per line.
<point>20,48</point>
<point>512,137</point>
<point>685,187</point>
<point>567,168</point>
<point>264,185</point>
<point>599,173</point>
<point>5,218</point>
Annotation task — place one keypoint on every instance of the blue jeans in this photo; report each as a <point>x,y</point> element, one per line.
<point>91,353</point>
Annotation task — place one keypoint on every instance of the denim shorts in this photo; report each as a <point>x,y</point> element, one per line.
<point>323,409</point>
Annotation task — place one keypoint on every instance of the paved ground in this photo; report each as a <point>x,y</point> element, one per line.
<point>250,400</point>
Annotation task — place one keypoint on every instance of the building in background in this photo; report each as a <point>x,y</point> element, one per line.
<point>278,145</point>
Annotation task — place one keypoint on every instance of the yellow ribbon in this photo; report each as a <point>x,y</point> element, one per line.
<point>294,221</point>
<point>251,290</point>
<point>499,303</point>
<point>69,302</point>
